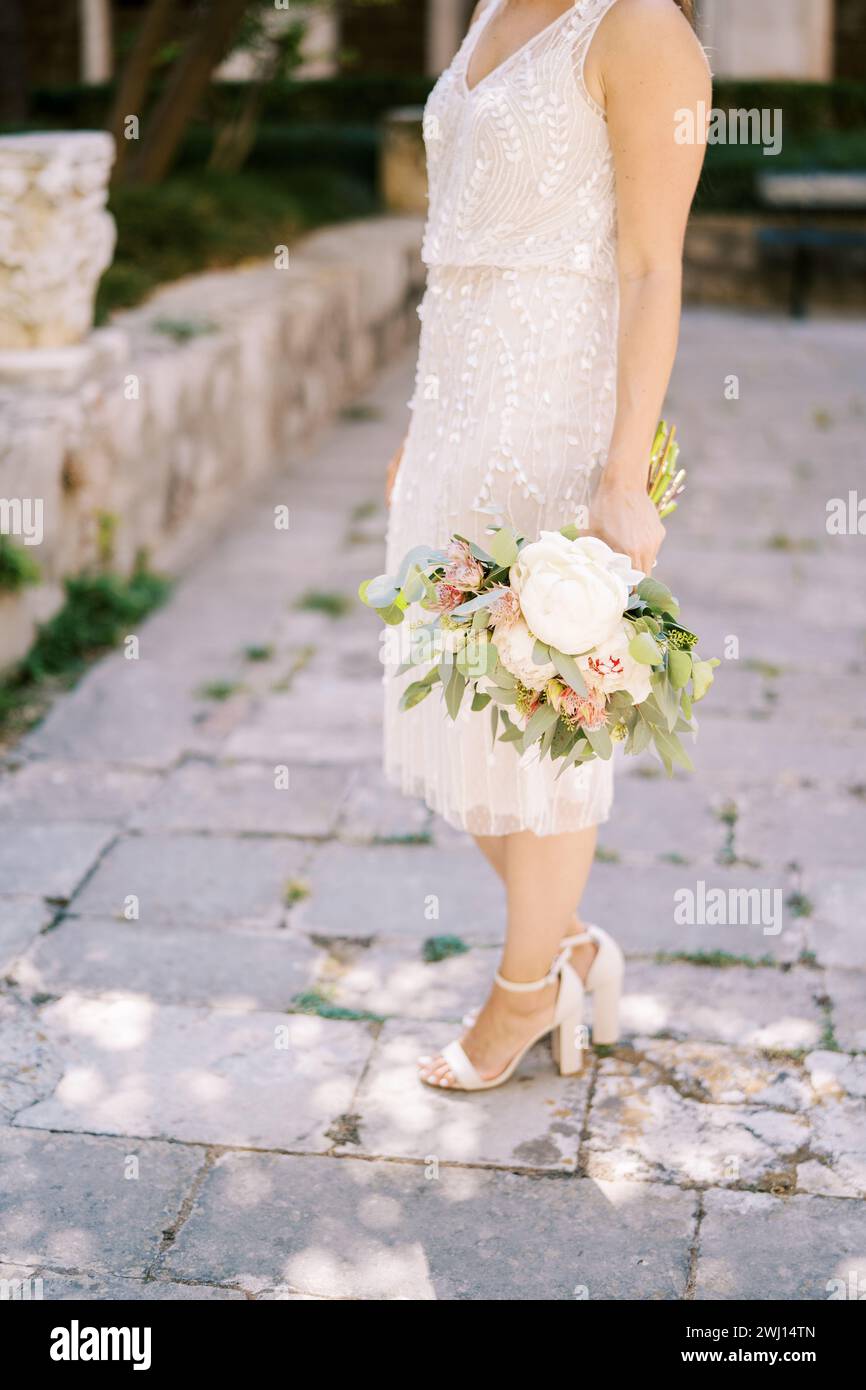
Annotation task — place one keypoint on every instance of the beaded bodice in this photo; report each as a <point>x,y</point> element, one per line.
<point>520,167</point>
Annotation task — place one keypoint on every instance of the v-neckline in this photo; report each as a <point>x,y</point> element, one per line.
<point>506,62</point>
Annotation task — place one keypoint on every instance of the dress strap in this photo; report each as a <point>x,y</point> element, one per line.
<point>588,15</point>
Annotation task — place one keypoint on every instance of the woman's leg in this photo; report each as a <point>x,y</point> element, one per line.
<point>544,880</point>
<point>494,848</point>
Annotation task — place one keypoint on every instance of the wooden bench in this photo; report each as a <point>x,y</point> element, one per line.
<point>810,196</point>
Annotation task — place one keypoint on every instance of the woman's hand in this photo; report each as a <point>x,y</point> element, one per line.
<point>391,475</point>
<point>627,520</point>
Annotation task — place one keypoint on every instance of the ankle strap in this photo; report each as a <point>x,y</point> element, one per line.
<point>579,938</point>
<point>549,979</point>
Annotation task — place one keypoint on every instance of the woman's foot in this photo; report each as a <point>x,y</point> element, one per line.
<point>503,1028</point>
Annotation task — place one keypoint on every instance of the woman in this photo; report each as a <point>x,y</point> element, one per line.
<point>558,204</point>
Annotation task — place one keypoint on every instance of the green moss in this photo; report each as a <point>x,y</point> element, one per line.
<point>182,330</point>
<point>311,1001</point>
<point>320,601</point>
<point>438,948</point>
<point>99,611</point>
<point>218,690</point>
<point>719,960</point>
<point>799,905</point>
<point>606,856</point>
<point>17,567</point>
<point>258,653</point>
<point>297,890</point>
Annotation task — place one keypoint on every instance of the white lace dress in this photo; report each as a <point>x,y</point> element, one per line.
<point>515,385</point>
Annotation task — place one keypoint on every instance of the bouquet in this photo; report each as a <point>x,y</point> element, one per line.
<point>565,645</point>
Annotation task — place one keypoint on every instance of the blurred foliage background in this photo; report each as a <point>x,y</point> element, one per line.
<point>257,119</point>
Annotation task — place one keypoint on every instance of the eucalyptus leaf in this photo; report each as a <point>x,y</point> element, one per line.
<point>702,678</point>
<point>454,693</point>
<point>543,719</point>
<point>658,596</point>
<point>503,548</point>
<point>645,649</point>
<point>600,742</point>
<point>679,667</point>
<point>569,670</point>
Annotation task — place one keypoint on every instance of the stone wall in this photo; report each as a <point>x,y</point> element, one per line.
<point>155,432</point>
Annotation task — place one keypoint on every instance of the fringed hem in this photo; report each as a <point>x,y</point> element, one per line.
<point>479,820</point>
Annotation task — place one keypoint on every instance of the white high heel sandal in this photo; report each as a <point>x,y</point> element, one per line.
<point>604,983</point>
<point>565,1026</point>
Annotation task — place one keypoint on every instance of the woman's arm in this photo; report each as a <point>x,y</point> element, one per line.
<point>646,64</point>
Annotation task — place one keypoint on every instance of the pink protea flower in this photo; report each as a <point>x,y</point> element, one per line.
<point>448,596</point>
<point>505,608</point>
<point>464,571</point>
<point>588,710</point>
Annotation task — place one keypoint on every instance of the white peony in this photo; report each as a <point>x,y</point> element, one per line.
<point>514,644</point>
<point>572,593</point>
<point>611,667</point>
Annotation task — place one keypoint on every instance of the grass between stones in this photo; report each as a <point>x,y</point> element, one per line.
<point>100,610</point>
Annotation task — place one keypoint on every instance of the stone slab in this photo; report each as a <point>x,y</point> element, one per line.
<point>846,990</point>
<point>170,965</point>
<point>755,1008</point>
<point>333,721</point>
<point>354,1229</point>
<point>262,1080</point>
<point>54,1286</point>
<point>533,1122</point>
<point>49,861</point>
<point>835,930</point>
<point>394,980</point>
<point>21,920</point>
<point>29,1065</point>
<point>376,811</point>
<point>760,1248</point>
<point>641,1129</point>
<point>66,1200</point>
<point>641,907</point>
<point>242,798</point>
<point>125,712</point>
<point>195,880</point>
<point>68,791</point>
<point>413,891</point>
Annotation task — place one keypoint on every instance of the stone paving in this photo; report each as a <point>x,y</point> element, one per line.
<point>215,980</point>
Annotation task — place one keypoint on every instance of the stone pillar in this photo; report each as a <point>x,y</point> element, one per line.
<point>446,25</point>
<point>94,20</point>
<point>56,236</point>
<point>768,38</point>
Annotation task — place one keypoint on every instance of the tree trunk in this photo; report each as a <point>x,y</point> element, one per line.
<point>135,79</point>
<point>185,88</point>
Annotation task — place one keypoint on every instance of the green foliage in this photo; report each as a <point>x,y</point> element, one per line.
<point>320,601</point>
<point>200,221</point>
<point>17,567</point>
<point>99,611</point>
<point>717,959</point>
<point>438,948</point>
<point>297,890</point>
<point>219,690</point>
<point>314,1002</point>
